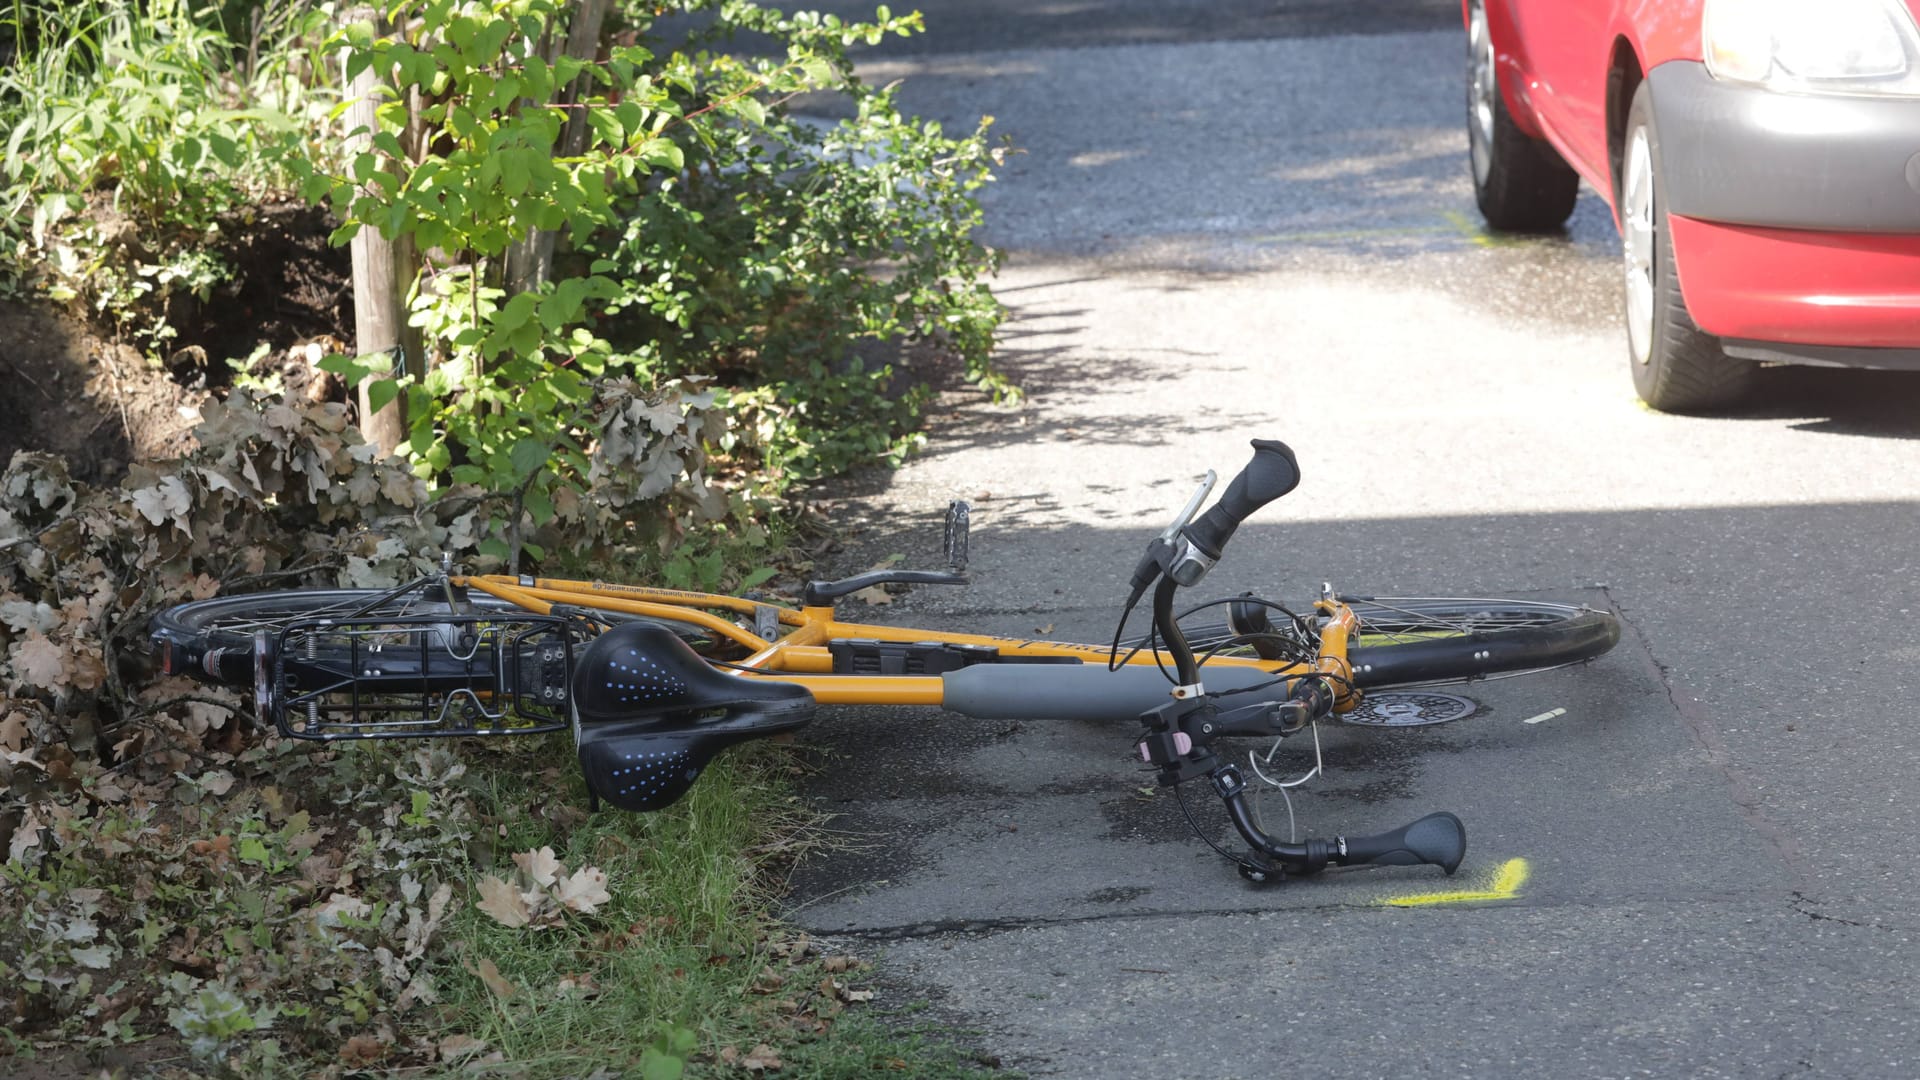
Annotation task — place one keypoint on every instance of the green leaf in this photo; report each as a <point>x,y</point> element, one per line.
<point>540,505</point>
<point>750,110</point>
<point>253,851</point>
<point>655,1065</point>
<point>758,576</point>
<point>514,174</point>
<point>527,455</point>
<point>381,394</point>
<point>517,312</point>
<point>663,152</point>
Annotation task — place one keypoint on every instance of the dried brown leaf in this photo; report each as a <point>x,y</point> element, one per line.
<point>362,1050</point>
<point>87,669</point>
<point>39,662</point>
<point>456,1047</point>
<point>502,900</point>
<point>584,890</point>
<point>216,781</point>
<point>13,731</point>
<point>762,1057</point>
<point>540,867</point>
<point>496,982</point>
<point>167,500</point>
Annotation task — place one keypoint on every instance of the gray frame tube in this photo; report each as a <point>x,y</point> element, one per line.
<point>1077,692</point>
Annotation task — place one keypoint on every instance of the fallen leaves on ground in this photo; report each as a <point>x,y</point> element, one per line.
<point>542,891</point>
<point>760,1058</point>
<point>489,973</point>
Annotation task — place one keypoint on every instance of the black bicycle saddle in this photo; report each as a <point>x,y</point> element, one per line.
<point>653,714</point>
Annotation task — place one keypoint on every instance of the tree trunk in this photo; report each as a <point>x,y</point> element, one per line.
<point>530,261</point>
<point>380,280</point>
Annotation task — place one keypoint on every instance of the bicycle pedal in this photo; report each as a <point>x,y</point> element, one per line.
<point>954,541</point>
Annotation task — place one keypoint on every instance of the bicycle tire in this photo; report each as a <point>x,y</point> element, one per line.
<point>1408,641</point>
<point>1419,641</point>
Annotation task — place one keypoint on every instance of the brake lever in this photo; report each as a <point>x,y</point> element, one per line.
<point>1193,507</point>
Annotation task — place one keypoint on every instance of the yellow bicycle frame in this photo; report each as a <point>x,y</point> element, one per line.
<point>800,655</point>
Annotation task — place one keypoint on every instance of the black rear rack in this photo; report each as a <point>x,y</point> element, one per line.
<point>413,677</point>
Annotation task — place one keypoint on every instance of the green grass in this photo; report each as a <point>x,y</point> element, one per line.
<point>687,943</point>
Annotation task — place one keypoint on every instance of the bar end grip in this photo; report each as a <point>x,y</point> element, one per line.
<point>1272,473</point>
<point>1437,839</point>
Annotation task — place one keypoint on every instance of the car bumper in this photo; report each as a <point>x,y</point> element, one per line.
<point>1842,291</point>
<point>1815,162</point>
<point>1795,218</point>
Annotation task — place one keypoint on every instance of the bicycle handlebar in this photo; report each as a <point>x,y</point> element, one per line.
<point>1438,839</point>
<point>1178,746</point>
<point>1272,473</point>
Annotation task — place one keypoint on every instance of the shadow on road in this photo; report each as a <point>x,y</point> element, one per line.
<point>1639,793</point>
<point>1834,401</point>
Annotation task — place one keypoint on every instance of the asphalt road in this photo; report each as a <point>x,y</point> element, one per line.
<point>1238,220</point>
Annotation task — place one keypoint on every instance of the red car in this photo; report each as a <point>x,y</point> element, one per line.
<point>1762,158</point>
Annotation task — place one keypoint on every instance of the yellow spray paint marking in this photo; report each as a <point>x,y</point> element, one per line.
<point>1504,886</point>
<point>1354,235</point>
<point>1480,235</point>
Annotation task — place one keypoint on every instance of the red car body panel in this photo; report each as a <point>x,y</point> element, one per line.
<point>1807,287</point>
<point>1851,290</point>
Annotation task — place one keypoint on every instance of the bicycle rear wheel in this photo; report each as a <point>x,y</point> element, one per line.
<point>1408,641</point>
<point>213,639</point>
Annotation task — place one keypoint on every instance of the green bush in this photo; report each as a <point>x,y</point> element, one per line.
<point>126,142</point>
<point>706,232</point>
<point>784,240</point>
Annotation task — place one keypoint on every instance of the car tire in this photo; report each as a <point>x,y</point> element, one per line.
<point>1520,182</point>
<point>1677,367</point>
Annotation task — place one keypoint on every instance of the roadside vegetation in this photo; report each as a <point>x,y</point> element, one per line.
<point>638,300</point>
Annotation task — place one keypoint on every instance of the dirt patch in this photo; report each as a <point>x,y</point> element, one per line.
<point>72,393</point>
<point>292,287</point>
<point>73,390</point>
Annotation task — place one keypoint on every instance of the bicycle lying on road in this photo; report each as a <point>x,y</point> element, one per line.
<point>654,683</point>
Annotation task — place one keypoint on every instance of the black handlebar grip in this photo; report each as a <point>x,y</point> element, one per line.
<point>1439,839</point>
<point>1272,473</point>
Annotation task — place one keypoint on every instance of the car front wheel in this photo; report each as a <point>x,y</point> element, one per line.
<point>1677,367</point>
<point>1519,181</point>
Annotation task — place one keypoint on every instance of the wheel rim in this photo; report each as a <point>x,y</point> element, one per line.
<point>1636,242</point>
<point>244,621</point>
<point>1482,86</point>
<point>1400,620</point>
<point>1386,620</point>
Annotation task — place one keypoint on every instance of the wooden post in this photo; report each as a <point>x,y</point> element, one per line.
<point>530,261</point>
<point>379,281</point>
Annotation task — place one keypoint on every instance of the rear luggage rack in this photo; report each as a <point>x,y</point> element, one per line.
<point>413,677</point>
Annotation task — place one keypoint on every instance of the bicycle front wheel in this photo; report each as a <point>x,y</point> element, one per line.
<point>1406,641</point>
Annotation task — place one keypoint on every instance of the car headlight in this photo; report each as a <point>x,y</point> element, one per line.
<point>1840,46</point>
